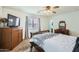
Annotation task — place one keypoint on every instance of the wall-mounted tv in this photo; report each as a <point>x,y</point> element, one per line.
<point>13,21</point>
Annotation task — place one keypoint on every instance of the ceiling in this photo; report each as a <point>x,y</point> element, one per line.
<point>35,9</point>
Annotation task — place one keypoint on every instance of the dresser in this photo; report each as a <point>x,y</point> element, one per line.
<point>62,31</point>
<point>10,37</point>
<point>62,28</point>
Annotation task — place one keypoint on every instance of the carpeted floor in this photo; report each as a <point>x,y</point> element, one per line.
<point>23,46</point>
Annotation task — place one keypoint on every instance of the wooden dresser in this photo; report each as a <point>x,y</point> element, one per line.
<point>62,31</point>
<point>10,37</point>
<point>62,28</point>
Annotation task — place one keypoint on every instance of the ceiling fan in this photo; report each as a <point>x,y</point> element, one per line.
<point>49,9</point>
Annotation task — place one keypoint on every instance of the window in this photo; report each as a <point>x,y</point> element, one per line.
<point>33,24</point>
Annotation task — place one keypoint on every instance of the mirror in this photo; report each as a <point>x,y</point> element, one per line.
<point>62,25</point>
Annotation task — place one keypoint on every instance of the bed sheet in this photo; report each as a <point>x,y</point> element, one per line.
<point>57,43</point>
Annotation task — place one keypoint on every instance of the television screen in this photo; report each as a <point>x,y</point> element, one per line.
<point>13,21</point>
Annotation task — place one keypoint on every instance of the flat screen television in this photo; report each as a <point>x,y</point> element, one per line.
<point>13,21</point>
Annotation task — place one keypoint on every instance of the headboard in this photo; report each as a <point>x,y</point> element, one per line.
<point>40,32</point>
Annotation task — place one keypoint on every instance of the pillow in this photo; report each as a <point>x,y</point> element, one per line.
<point>43,36</point>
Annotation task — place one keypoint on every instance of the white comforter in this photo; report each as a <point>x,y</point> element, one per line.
<point>59,43</point>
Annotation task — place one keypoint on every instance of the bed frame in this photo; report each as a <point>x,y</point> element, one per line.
<point>38,49</point>
<point>40,32</point>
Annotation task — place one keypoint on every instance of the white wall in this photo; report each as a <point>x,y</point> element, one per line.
<point>0,11</point>
<point>43,19</point>
<point>72,20</point>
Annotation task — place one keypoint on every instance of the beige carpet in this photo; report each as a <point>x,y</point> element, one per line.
<point>24,46</point>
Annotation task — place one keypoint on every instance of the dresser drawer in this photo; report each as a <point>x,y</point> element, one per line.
<point>62,31</point>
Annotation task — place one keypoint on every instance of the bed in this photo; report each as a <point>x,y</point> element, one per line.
<point>53,42</point>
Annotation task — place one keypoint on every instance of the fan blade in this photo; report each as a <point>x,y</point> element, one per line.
<point>56,7</point>
<point>54,12</point>
<point>40,11</point>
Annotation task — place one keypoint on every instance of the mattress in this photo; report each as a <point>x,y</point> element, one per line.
<point>55,42</point>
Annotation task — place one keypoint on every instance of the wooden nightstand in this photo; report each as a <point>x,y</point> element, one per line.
<point>62,31</point>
